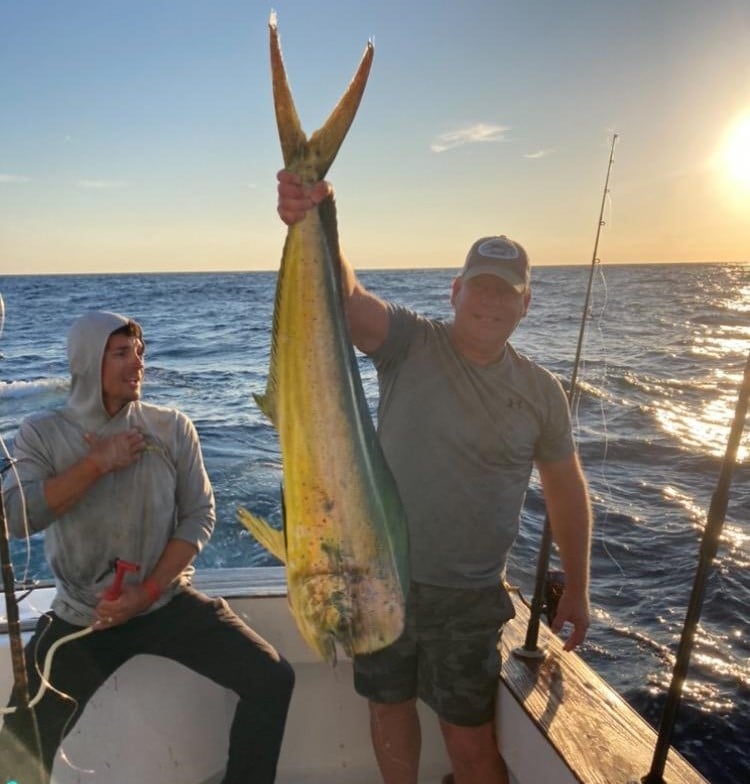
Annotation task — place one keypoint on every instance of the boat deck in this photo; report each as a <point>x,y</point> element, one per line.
<point>155,721</point>
<point>598,737</point>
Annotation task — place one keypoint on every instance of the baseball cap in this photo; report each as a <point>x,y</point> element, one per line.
<point>498,256</point>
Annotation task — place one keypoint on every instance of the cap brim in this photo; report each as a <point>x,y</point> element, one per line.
<point>519,283</point>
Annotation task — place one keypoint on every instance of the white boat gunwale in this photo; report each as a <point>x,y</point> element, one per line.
<point>559,721</point>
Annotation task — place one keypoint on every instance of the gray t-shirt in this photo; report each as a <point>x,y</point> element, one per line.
<point>461,441</point>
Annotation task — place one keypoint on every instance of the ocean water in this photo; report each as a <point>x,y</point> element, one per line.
<point>663,355</point>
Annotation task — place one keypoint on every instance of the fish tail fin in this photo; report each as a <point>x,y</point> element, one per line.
<point>329,137</point>
<point>292,136</point>
<point>327,140</point>
<point>266,536</point>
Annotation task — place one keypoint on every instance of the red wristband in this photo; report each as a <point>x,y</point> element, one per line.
<point>151,587</point>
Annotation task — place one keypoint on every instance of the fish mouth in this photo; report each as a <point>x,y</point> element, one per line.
<point>326,598</point>
<point>339,603</point>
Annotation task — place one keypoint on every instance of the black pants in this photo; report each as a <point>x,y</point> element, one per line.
<point>202,634</point>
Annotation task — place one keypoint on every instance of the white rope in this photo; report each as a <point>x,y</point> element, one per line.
<point>46,684</point>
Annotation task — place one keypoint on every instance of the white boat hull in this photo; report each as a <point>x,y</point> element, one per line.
<point>155,721</point>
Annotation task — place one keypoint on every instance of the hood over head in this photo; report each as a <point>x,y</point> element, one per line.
<point>87,340</point>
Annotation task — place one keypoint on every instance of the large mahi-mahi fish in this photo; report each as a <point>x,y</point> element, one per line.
<point>344,538</point>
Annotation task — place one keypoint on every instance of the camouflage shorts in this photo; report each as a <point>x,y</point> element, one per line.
<point>448,655</point>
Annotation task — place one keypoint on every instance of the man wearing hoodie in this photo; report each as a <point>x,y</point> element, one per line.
<point>111,479</point>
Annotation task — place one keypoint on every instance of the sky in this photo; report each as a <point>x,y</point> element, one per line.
<point>139,135</point>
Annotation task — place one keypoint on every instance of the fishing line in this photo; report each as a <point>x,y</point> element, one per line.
<point>598,384</point>
<point>538,603</point>
<point>11,466</point>
<point>600,531</point>
<point>47,685</point>
<point>607,493</point>
<point>11,606</point>
<point>596,313</point>
<point>11,602</point>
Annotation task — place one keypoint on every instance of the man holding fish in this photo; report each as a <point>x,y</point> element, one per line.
<point>462,419</point>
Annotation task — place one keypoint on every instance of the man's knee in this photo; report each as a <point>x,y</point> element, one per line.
<point>276,682</point>
<point>385,711</point>
<point>285,678</point>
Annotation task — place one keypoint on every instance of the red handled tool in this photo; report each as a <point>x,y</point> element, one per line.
<point>121,568</point>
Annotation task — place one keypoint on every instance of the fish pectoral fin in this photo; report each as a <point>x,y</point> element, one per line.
<point>266,536</point>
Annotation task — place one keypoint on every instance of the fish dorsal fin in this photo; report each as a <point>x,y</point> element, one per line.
<point>266,536</point>
<point>267,401</point>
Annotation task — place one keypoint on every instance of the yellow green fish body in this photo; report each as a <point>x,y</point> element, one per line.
<point>344,541</point>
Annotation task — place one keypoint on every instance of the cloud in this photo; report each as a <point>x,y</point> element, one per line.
<point>13,178</point>
<point>101,184</point>
<point>472,135</point>
<point>539,153</point>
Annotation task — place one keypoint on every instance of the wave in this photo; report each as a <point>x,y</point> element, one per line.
<point>21,389</point>
<point>658,380</point>
<point>707,739</point>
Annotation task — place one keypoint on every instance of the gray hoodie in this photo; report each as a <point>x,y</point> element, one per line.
<point>131,513</point>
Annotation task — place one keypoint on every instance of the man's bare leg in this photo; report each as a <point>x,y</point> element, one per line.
<point>474,755</point>
<point>397,740</point>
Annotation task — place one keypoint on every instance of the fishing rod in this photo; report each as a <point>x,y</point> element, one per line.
<point>545,595</point>
<point>27,715</point>
<point>9,584</point>
<point>709,546</point>
<point>11,605</point>
<point>20,679</point>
